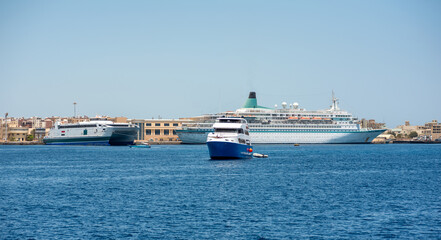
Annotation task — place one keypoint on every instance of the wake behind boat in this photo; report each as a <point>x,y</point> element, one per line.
<point>98,131</point>
<point>230,139</point>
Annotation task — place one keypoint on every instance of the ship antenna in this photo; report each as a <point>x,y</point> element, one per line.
<point>334,102</point>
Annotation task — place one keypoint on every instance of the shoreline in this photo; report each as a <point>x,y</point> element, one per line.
<point>179,143</point>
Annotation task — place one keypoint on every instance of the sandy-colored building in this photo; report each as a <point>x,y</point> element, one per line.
<point>436,131</point>
<point>3,126</point>
<point>371,123</point>
<point>18,134</point>
<point>432,129</point>
<point>158,130</point>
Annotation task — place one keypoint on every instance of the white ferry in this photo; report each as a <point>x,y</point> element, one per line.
<point>289,124</point>
<point>98,131</point>
<point>230,139</point>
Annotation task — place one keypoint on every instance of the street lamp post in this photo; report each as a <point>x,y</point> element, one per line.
<point>6,127</point>
<point>75,109</point>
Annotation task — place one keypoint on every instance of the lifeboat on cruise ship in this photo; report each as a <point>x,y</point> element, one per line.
<point>316,118</point>
<point>305,118</point>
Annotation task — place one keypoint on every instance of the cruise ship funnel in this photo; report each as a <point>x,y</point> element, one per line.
<point>251,102</point>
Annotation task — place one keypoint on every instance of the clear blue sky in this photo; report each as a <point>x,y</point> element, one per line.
<point>142,59</point>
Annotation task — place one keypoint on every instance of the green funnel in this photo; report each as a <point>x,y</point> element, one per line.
<point>252,101</point>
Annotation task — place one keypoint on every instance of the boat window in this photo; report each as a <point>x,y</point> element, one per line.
<point>77,126</point>
<point>226,130</point>
<point>230,120</point>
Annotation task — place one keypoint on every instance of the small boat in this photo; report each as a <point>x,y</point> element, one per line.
<point>142,145</point>
<point>230,139</point>
<point>260,155</point>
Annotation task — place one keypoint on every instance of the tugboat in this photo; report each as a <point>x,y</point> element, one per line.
<point>230,139</point>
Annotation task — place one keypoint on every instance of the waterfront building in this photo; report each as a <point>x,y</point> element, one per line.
<point>40,133</point>
<point>435,127</point>
<point>18,134</point>
<point>430,130</point>
<point>372,124</point>
<point>158,130</point>
<point>3,126</point>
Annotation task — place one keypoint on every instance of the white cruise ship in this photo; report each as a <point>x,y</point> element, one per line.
<point>289,124</point>
<point>98,131</point>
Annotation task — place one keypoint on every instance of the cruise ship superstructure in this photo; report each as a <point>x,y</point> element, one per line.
<point>97,131</point>
<point>289,124</point>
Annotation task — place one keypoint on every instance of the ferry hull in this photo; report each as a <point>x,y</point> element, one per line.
<point>228,150</point>
<point>122,137</point>
<point>95,141</point>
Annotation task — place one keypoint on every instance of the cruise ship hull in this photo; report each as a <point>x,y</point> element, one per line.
<point>193,137</point>
<point>315,137</point>
<point>228,150</point>
<point>287,137</point>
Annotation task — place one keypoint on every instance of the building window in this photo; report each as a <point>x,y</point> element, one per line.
<point>166,124</point>
<point>148,124</point>
<point>157,132</point>
<point>175,124</point>
<point>174,132</point>
<point>157,124</point>
<point>148,132</point>
<point>166,132</point>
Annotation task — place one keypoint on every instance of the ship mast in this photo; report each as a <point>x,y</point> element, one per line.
<point>334,106</point>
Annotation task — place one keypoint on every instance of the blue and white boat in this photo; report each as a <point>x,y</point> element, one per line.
<point>230,139</point>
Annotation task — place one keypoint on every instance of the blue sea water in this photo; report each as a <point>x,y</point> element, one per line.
<point>176,192</point>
